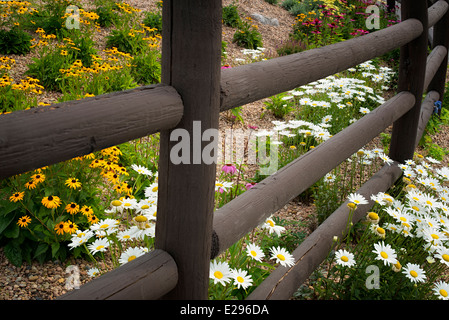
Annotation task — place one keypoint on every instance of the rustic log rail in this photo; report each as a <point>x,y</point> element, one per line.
<point>178,268</point>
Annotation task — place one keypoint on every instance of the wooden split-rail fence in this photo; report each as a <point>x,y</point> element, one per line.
<point>194,88</point>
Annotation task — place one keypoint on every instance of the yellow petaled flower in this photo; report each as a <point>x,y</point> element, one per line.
<point>63,52</point>
<point>72,208</point>
<point>92,219</point>
<point>23,221</point>
<point>70,227</point>
<point>30,185</point>
<point>59,228</point>
<point>73,183</point>
<point>51,202</point>
<point>38,177</point>
<point>17,196</point>
<point>87,210</point>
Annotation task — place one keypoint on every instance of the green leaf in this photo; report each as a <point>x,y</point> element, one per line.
<point>6,218</point>
<point>41,250</point>
<point>54,248</point>
<point>12,231</point>
<point>13,253</point>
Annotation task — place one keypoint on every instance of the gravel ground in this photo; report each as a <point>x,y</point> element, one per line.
<point>47,281</point>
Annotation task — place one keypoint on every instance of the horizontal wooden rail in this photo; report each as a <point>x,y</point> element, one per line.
<point>434,60</point>
<point>437,11</point>
<point>42,136</point>
<point>148,277</point>
<point>241,215</point>
<point>283,282</point>
<point>255,81</point>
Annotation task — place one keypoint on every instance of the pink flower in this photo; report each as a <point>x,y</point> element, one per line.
<point>229,169</point>
<point>250,185</point>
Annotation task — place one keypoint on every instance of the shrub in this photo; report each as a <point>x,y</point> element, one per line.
<point>248,35</point>
<point>41,209</point>
<point>154,21</point>
<point>231,16</point>
<point>15,41</point>
<point>146,67</point>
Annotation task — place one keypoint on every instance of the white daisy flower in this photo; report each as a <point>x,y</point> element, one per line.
<point>255,252</point>
<point>282,256</point>
<point>344,258</point>
<point>441,290</point>
<point>384,252</point>
<point>414,272</point>
<point>220,272</point>
<point>241,278</point>
<point>130,254</point>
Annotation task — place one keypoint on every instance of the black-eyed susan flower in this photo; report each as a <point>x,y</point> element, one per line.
<point>17,196</point>
<point>93,219</point>
<point>24,221</point>
<point>87,210</point>
<point>38,177</point>
<point>30,185</point>
<point>73,183</point>
<point>70,227</point>
<point>51,202</point>
<point>59,228</point>
<point>72,208</point>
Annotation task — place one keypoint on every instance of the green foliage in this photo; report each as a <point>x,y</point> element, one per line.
<point>15,41</point>
<point>248,35</point>
<point>231,16</point>
<point>154,21</point>
<point>107,15</point>
<point>46,68</point>
<point>146,67</point>
<point>290,47</point>
<point>280,104</point>
<point>27,198</point>
<point>121,39</point>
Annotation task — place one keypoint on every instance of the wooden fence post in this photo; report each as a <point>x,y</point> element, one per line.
<point>191,56</point>
<point>411,78</point>
<point>440,38</point>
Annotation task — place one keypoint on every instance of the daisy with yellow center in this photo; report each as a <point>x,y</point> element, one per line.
<point>414,272</point>
<point>344,258</point>
<point>220,272</point>
<point>255,252</point>
<point>441,290</point>
<point>384,252</point>
<point>282,256</point>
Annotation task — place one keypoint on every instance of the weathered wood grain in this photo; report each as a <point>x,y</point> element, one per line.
<point>191,51</point>
<point>412,70</point>
<point>283,282</point>
<point>251,82</point>
<point>434,61</point>
<point>238,217</point>
<point>147,277</point>
<point>42,136</point>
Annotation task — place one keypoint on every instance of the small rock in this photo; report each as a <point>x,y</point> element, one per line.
<point>265,20</point>
<point>33,278</point>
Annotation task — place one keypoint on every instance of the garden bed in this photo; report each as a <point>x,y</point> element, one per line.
<point>48,280</point>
